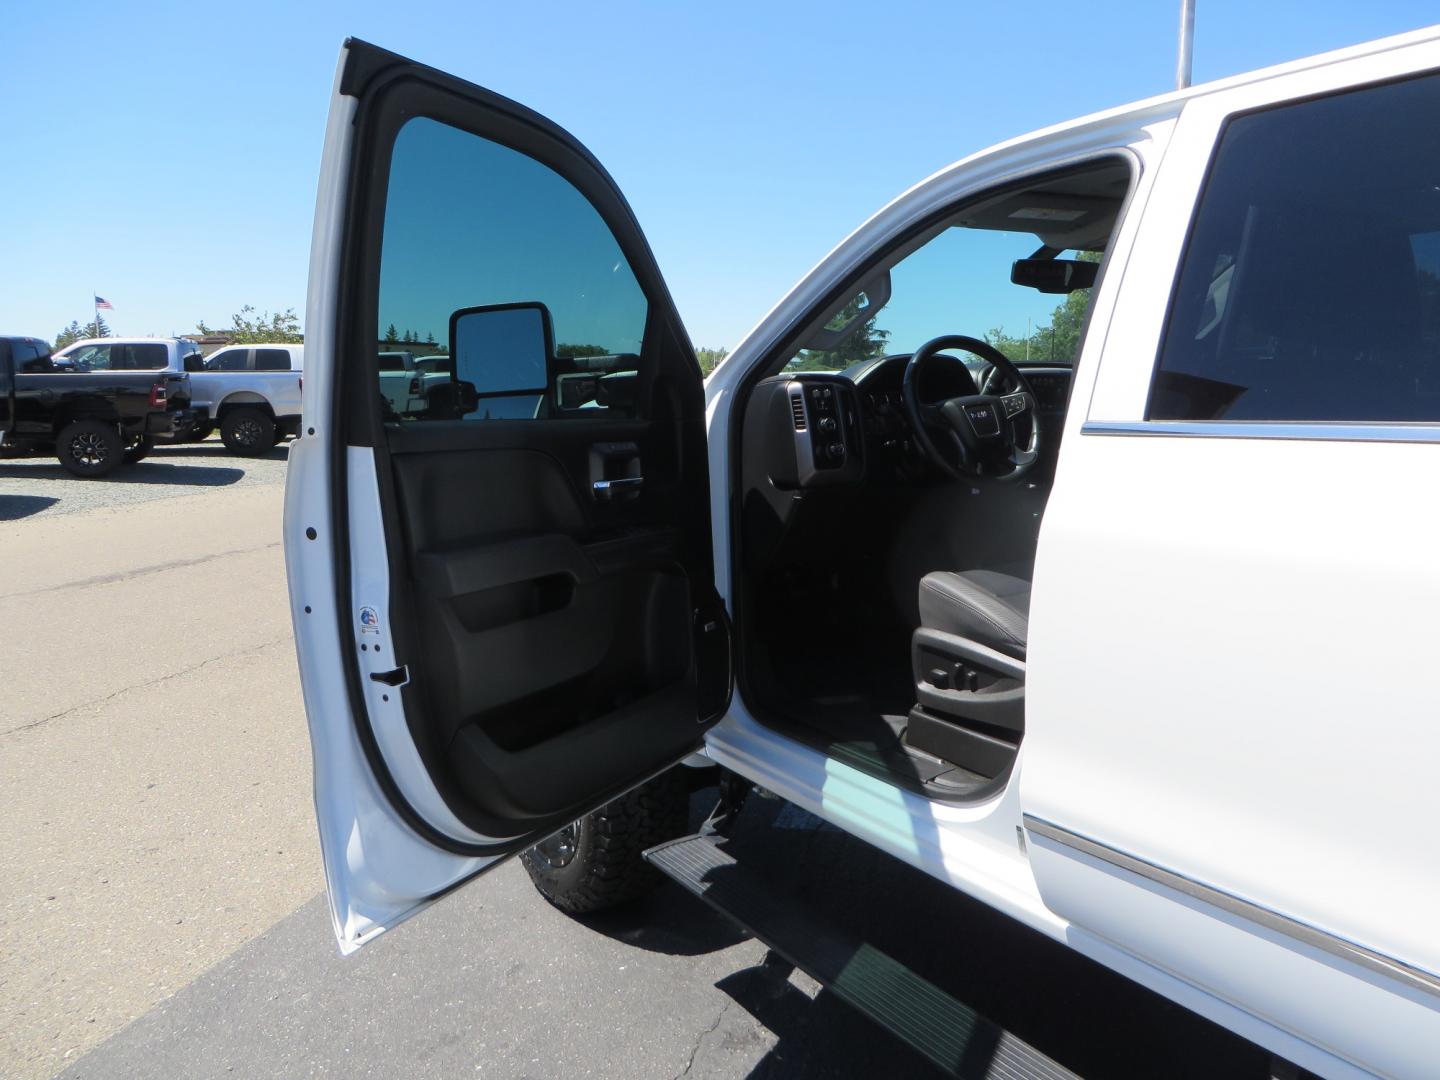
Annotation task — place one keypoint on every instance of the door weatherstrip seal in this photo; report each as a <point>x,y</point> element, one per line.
<point>1377,962</point>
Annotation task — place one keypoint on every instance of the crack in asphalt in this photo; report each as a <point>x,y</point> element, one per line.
<point>127,575</point>
<point>700,1041</point>
<point>30,726</point>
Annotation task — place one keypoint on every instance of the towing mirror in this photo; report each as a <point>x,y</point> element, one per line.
<point>1053,275</point>
<point>503,349</point>
<point>194,362</point>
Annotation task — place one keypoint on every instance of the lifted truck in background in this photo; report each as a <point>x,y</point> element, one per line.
<point>93,421</point>
<point>252,392</point>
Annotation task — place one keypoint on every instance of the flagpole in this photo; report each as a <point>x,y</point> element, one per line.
<point>95,297</point>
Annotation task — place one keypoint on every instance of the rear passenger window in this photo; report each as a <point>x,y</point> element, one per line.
<point>272,360</point>
<point>228,360</point>
<point>142,357</point>
<point>1310,287</point>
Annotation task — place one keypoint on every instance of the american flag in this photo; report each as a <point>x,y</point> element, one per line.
<point>101,302</point>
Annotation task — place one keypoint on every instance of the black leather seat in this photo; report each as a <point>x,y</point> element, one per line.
<point>986,606</point>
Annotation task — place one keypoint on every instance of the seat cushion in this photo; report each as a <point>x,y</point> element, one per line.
<point>983,605</point>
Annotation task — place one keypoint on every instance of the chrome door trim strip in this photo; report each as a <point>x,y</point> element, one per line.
<point>1373,961</point>
<point>1259,429</point>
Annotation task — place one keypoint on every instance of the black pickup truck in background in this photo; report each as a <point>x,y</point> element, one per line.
<point>93,421</point>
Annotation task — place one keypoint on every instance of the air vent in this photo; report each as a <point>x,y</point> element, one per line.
<point>797,408</point>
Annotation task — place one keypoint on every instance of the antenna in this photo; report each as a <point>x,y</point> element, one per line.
<point>1187,44</point>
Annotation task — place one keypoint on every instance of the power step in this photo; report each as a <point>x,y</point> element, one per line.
<point>945,1030</point>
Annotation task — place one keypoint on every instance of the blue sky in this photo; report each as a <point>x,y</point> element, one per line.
<point>164,155</point>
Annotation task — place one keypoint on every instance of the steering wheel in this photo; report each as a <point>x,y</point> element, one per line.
<point>981,432</point>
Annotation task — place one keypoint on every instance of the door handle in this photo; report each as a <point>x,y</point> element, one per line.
<point>621,485</point>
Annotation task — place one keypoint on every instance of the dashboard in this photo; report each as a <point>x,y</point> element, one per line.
<point>821,429</point>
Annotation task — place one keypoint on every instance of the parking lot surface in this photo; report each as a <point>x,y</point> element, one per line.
<point>162,909</point>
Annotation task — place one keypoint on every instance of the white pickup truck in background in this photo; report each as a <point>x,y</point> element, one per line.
<point>252,393</point>
<point>405,380</point>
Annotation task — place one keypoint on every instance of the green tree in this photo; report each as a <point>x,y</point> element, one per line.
<point>570,351</point>
<point>247,327</point>
<point>710,359</point>
<point>96,327</point>
<point>73,332</point>
<point>1059,339</point>
<point>390,334</point>
<point>865,342</point>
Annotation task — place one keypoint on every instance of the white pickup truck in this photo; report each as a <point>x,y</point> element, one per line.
<point>251,392</point>
<point>405,380</point>
<point>1120,629</point>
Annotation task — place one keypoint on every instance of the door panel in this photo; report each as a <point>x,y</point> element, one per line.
<point>543,614</point>
<point>518,556</point>
<point>1230,734</point>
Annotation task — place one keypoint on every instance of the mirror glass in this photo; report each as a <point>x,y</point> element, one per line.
<point>501,350</point>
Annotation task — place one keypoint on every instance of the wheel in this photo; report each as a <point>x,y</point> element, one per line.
<point>89,448</point>
<point>595,863</point>
<point>279,437</point>
<point>247,432</point>
<point>201,433</point>
<point>138,448</point>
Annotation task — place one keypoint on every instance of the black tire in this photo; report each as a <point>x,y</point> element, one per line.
<point>247,432</point>
<point>90,449</point>
<point>595,863</point>
<point>139,449</point>
<point>201,433</point>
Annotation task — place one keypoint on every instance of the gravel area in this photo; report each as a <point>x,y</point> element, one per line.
<point>37,485</point>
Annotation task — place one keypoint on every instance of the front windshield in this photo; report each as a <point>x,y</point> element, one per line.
<point>959,283</point>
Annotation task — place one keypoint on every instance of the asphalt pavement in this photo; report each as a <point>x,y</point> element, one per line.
<point>162,913</point>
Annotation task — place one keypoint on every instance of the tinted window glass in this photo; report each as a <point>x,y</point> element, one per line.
<point>30,354</point>
<point>472,224</point>
<point>1309,289</point>
<point>143,357</point>
<point>272,360</point>
<point>228,360</point>
<point>87,358</point>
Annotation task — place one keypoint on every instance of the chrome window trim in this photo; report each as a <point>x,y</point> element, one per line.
<point>1373,961</point>
<point>1334,431</point>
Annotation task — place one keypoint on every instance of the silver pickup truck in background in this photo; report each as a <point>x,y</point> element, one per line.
<point>252,393</point>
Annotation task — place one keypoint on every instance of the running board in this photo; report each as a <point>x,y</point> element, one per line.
<point>946,1031</point>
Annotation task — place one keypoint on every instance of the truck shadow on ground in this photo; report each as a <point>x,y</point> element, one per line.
<point>188,451</point>
<point>15,507</point>
<point>146,472</point>
<point>668,921</point>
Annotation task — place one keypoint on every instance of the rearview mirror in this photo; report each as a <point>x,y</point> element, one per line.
<point>502,349</point>
<point>1053,275</point>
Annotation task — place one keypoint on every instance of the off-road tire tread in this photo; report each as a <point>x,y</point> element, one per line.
<point>608,869</point>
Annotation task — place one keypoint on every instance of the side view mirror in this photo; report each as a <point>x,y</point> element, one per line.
<point>502,349</point>
<point>194,362</point>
